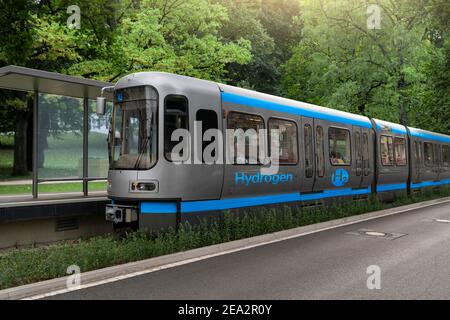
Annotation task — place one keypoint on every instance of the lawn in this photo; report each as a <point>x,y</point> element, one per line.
<point>63,159</point>
<point>53,188</point>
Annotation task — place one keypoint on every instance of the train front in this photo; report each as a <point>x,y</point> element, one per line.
<point>146,182</point>
<point>132,145</point>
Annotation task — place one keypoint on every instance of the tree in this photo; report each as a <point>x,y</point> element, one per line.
<point>272,29</point>
<point>433,112</point>
<point>342,63</point>
<point>116,38</point>
<point>168,35</point>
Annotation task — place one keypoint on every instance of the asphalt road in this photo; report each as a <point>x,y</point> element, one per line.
<point>330,264</point>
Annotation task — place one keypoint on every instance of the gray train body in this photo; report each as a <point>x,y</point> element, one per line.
<point>380,158</point>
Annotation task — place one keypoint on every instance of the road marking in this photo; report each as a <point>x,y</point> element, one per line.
<point>375,233</point>
<point>442,220</point>
<point>192,260</point>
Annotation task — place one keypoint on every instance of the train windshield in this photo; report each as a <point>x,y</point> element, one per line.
<point>133,144</point>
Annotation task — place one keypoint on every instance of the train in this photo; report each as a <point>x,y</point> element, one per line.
<point>323,154</point>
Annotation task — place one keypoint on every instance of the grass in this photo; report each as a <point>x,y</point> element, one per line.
<point>63,159</point>
<point>52,188</point>
<point>6,139</point>
<point>22,266</point>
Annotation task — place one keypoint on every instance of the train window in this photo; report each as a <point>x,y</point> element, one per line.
<point>340,152</point>
<point>417,153</point>
<point>400,151</point>
<point>428,154</point>
<point>365,152</point>
<point>208,119</point>
<point>421,153</point>
<point>358,146</point>
<point>175,117</point>
<point>245,143</point>
<point>358,153</point>
<point>446,156</point>
<point>308,151</point>
<point>437,152</point>
<point>320,152</point>
<point>287,138</point>
<point>387,150</point>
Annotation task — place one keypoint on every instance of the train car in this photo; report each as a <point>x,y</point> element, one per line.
<point>324,154</point>
<point>391,160</point>
<point>430,160</point>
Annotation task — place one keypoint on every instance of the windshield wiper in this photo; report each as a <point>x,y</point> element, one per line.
<point>141,153</point>
<point>145,142</point>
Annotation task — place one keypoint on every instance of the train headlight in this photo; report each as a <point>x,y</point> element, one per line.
<point>144,186</point>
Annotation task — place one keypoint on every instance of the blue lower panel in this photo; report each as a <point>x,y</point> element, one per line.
<point>429,184</point>
<point>391,187</point>
<point>158,207</point>
<point>224,204</point>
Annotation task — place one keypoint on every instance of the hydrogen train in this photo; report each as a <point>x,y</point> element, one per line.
<point>324,154</point>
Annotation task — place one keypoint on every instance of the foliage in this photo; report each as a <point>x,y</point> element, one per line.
<point>388,73</point>
<point>167,35</point>
<point>272,29</point>
<point>316,51</point>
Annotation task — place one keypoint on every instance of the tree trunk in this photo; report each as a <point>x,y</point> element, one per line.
<point>30,142</point>
<point>20,146</point>
<point>23,140</point>
<point>44,127</point>
<point>403,114</point>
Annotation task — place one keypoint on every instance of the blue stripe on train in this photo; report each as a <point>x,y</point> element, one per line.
<point>233,203</point>
<point>393,129</point>
<point>263,104</point>
<point>391,187</point>
<point>429,136</point>
<point>224,204</point>
<point>430,184</point>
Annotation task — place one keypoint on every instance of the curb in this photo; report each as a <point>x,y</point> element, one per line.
<point>128,270</point>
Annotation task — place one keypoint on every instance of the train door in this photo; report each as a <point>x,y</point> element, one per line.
<point>322,170</point>
<point>367,155</point>
<point>429,159</point>
<point>438,163</point>
<point>445,171</point>
<point>306,131</point>
<point>358,155</point>
<point>361,154</point>
<point>205,149</point>
<point>418,161</point>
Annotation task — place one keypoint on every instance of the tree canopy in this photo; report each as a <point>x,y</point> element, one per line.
<point>317,51</point>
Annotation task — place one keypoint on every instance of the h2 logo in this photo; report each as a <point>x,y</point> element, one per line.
<point>340,178</point>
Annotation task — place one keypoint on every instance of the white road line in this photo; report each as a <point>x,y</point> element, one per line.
<point>184,262</point>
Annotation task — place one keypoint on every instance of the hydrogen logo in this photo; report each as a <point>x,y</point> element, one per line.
<point>340,178</point>
<point>258,178</point>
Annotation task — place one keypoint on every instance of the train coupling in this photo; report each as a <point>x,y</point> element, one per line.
<point>120,213</point>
